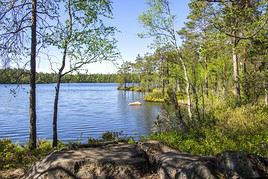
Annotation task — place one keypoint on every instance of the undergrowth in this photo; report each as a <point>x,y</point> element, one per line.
<point>18,156</point>
<point>225,127</point>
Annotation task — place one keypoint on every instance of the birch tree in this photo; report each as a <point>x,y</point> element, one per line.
<point>82,38</point>
<point>160,24</point>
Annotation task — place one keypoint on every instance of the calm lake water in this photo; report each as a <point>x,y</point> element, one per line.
<point>85,110</point>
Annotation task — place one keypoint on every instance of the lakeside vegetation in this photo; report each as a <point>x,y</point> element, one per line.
<point>18,156</point>
<point>224,128</point>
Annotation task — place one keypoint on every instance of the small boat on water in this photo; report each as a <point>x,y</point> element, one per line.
<point>136,103</point>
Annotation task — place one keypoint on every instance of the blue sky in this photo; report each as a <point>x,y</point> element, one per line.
<point>126,14</point>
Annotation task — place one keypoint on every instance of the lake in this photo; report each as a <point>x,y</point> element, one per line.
<point>85,110</point>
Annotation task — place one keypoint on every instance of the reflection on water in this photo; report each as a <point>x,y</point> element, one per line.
<point>85,110</point>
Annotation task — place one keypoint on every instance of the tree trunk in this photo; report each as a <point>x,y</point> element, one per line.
<point>266,92</point>
<point>147,85</point>
<point>32,137</point>
<point>203,103</point>
<point>194,87</point>
<point>224,81</point>
<point>55,112</point>
<point>125,83</point>
<point>188,92</point>
<point>163,76</point>
<point>245,61</point>
<point>245,82</point>
<point>176,84</point>
<point>167,75</point>
<point>236,70</point>
<point>132,79</point>
<point>139,80</point>
<point>174,101</point>
<point>206,77</point>
<point>206,84</point>
<point>56,99</point>
<point>163,86</point>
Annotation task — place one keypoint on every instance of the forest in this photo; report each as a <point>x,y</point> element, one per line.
<point>19,76</point>
<point>210,77</point>
<point>214,86</point>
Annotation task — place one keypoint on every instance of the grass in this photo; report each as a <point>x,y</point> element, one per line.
<point>213,141</point>
<point>132,88</point>
<point>243,128</point>
<point>154,96</point>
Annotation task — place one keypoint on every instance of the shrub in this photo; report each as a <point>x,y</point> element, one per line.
<point>15,156</point>
<point>214,142</point>
<point>154,96</point>
<point>10,154</point>
<point>224,128</point>
<point>112,136</point>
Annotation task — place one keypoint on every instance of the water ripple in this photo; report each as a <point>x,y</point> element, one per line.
<point>85,110</point>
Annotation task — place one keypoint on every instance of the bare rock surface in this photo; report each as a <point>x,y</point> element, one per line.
<point>111,161</point>
<point>243,165</point>
<point>12,173</point>
<point>173,164</point>
<point>147,160</point>
<point>170,163</point>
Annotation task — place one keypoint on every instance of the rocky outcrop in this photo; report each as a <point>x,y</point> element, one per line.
<point>243,165</point>
<point>150,160</point>
<point>110,161</point>
<point>170,163</point>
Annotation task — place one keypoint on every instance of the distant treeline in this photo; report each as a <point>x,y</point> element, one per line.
<point>21,76</point>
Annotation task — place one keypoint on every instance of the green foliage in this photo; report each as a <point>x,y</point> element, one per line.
<point>10,154</point>
<point>110,136</point>
<point>157,21</point>
<point>154,96</point>
<point>224,128</point>
<point>92,140</point>
<point>213,141</point>
<point>131,140</point>
<point>45,147</point>
<point>16,156</point>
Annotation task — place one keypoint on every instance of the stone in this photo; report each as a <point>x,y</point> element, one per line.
<point>111,161</point>
<point>146,160</point>
<point>12,173</point>
<point>170,163</point>
<point>136,103</point>
<point>242,165</point>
